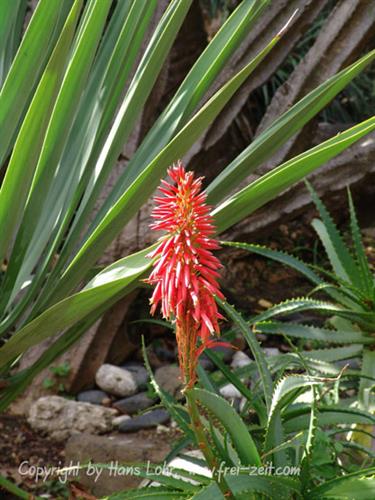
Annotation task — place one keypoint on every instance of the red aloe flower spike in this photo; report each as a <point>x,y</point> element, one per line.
<point>185,269</point>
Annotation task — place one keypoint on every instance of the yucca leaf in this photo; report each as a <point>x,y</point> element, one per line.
<point>269,185</point>
<point>281,130</point>
<point>42,32</point>
<point>12,15</point>
<point>83,146</point>
<point>189,94</point>
<point>148,180</point>
<point>17,181</point>
<point>109,283</point>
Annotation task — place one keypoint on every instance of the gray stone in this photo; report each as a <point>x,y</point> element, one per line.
<point>61,418</point>
<point>145,421</point>
<point>116,380</point>
<point>240,359</point>
<point>134,404</point>
<point>94,397</point>
<point>113,450</point>
<point>206,363</point>
<point>271,351</point>
<point>226,353</point>
<point>229,391</point>
<point>119,420</point>
<point>139,372</point>
<point>169,378</point>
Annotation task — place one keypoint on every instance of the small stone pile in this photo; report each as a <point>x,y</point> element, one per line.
<point>123,399</point>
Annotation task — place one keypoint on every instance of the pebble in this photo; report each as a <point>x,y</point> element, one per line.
<point>146,421</point>
<point>169,378</point>
<point>116,380</point>
<point>226,353</point>
<point>139,372</point>
<point>134,404</point>
<point>117,421</point>
<point>271,351</point>
<point>94,397</point>
<point>240,359</point>
<point>229,391</point>
<point>206,363</point>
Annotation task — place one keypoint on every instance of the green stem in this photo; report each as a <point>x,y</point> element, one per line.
<point>204,444</point>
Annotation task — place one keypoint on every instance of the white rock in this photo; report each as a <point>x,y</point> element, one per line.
<point>115,380</point>
<point>60,417</point>
<point>240,359</point>
<point>120,419</point>
<point>271,351</point>
<point>229,391</point>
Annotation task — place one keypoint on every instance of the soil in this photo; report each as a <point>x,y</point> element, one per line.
<point>19,443</point>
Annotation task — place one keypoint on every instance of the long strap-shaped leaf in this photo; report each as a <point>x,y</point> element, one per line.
<point>31,57</point>
<point>189,94</point>
<point>282,129</point>
<point>21,168</point>
<point>147,181</point>
<point>271,184</point>
<point>73,309</point>
<point>83,146</point>
<point>11,21</point>
<point>59,125</point>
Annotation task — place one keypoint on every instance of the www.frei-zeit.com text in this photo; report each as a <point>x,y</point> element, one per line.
<point>63,473</point>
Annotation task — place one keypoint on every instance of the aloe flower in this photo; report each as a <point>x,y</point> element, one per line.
<point>185,270</point>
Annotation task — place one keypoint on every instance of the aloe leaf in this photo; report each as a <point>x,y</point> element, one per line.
<point>347,487</point>
<point>328,416</point>
<point>283,388</point>
<point>245,486</point>
<point>168,401</point>
<point>241,439</point>
<point>255,349</point>
<point>367,279</point>
<point>309,332</point>
<point>341,260</point>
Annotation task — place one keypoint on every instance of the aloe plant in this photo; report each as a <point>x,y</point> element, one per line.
<point>279,444</point>
<point>69,102</point>
<point>349,286</point>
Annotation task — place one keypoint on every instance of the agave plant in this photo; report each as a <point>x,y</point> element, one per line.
<point>69,103</point>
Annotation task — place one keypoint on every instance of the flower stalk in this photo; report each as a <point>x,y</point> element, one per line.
<point>185,277</point>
